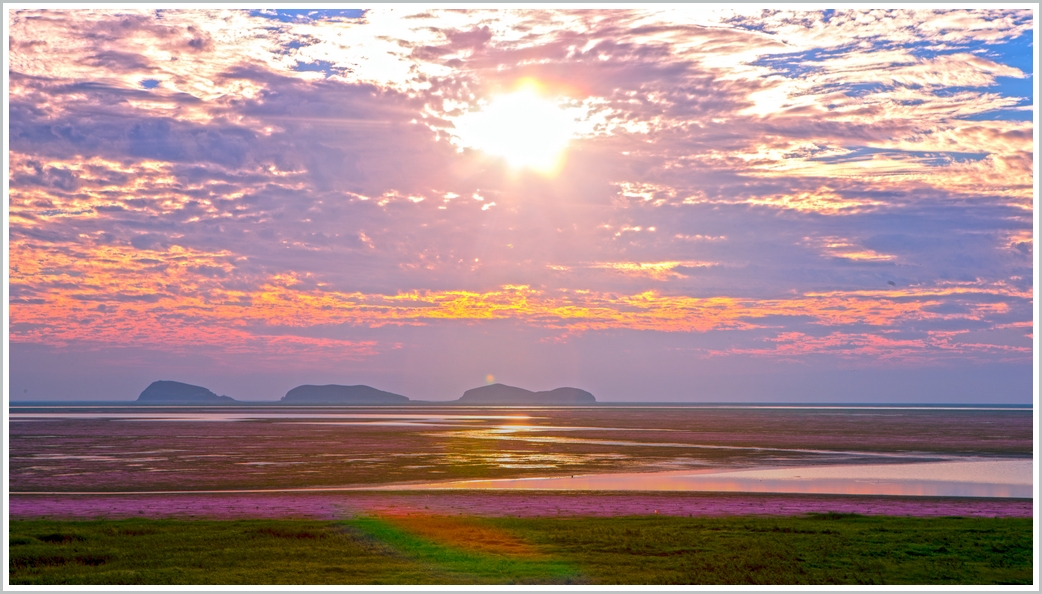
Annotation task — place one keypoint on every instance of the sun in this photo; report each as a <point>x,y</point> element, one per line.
<point>522,127</point>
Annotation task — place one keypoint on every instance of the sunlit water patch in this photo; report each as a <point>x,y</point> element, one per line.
<point>521,429</point>
<point>423,423</point>
<point>964,478</point>
<point>499,433</point>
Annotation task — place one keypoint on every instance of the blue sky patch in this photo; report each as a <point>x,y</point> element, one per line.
<point>299,15</point>
<point>320,66</point>
<point>1013,115</point>
<point>934,158</point>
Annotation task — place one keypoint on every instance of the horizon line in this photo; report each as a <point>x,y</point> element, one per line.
<point>827,404</point>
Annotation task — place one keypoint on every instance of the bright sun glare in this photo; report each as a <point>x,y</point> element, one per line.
<point>522,127</point>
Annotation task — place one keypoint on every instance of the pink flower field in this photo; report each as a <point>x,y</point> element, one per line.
<point>528,504</point>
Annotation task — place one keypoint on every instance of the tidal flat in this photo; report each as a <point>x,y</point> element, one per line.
<point>337,495</point>
<point>214,448</point>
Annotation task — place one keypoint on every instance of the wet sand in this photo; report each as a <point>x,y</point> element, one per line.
<point>492,504</point>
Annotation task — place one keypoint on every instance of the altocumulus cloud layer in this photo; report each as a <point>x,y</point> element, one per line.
<point>753,205</point>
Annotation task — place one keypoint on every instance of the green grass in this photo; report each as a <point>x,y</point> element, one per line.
<point>819,549</point>
<point>200,552</point>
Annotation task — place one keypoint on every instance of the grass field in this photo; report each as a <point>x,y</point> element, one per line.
<point>428,549</point>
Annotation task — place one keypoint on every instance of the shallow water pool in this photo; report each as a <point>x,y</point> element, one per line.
<point>955,478</point>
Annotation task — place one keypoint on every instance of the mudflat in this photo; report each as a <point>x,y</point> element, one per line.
<point>86,449</point>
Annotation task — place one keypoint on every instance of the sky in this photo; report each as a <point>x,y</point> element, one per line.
<point>665,204</point>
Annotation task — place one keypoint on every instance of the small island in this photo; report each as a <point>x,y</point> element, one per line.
<point>500,394</point>
<point>336,394</point>
<point>168,392</point>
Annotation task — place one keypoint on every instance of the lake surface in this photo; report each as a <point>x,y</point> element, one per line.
<point>978,452</point>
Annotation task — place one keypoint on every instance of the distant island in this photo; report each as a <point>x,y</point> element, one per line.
<point>168,392</point>
<point>335,394</point>
<point>496,394</point>
<point>173,393</point>
<point>509,395</point>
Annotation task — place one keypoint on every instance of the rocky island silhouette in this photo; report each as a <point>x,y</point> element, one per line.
<point>178,393</point>
<point>337,394</point>
<point>509,395</point>
<point>169,392</point>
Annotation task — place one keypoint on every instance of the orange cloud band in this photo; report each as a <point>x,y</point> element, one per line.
<point>173,297</point>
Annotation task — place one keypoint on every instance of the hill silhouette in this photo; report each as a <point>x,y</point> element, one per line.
<point>169,392</point>
<point>510,395</point>
<point>336,394</point>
